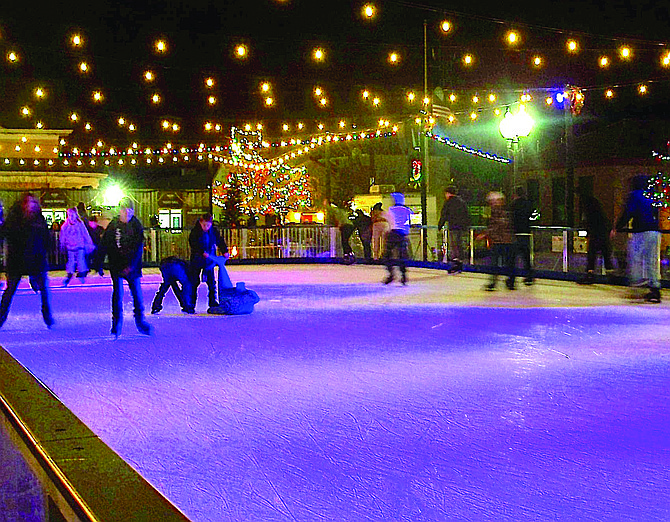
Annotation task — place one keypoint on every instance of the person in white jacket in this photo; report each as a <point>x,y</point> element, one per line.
<point>77,242</point>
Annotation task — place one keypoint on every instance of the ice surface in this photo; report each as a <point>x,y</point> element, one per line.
<point>340,398</point>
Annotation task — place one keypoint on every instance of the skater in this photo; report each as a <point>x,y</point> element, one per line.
<point>380,228</point>
<point>398,217</point>
<point>339,218</point>
<point>123,243</point>
<point>204,239</point>
<point>363,224</point>
<point>522,210</point>
<point>175,275</point>
<point>27,237</point>
<point>76,241</point>
<point>644,243</point>
<point>96,231</point>
<point>455,214</point>
<point>597,233</point>
<point>500,234</point>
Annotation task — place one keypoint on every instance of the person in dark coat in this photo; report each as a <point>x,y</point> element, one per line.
<point>597,231</point>
<point>501,236</point>
<point>175,275</point>
<point>363,224</point>
<point>640,218</point>
<point>27,236</point>
<point>455,213</point>
<point>123,243</point>
<point>204,239</point>
<point>96,231</point>
<point>522,210</point>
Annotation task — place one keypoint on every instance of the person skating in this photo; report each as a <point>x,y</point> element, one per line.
<point>455,214</point>
<point>204,239</point>
<point>522,210</point>
<point>77,243</point>
<point>123,243</point>
<point>398,217</point>
<point>597,233</point>
<point>27,237</point>
<point>500,234</point>
<point>175,275</point>
<point>363,224</point>
<point>640,217</point>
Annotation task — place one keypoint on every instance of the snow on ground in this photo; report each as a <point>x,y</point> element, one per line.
<point>340,398</point>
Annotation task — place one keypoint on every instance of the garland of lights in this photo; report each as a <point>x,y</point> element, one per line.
<point>462,148</point>
<point>658,190</point>
<point>660,157</point>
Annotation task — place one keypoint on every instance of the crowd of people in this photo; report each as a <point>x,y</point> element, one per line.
<point>384,235</point>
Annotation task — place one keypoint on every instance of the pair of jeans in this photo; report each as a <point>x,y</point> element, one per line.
<point>599,244</point>
<point>174,276</point>
<point>522,249</point>
<point>210,280</point>
<point>39,283</point>
<point>644,258</point>
<point>502,261</point>
<point>76,259</point>
<point>396,252</point>
<point>117,299</point>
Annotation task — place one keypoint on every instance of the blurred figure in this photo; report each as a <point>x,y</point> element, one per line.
<point>398,217</point>
<point>380,227</point>
<point>500,234</point>
<point>455,214</point>
<point>76,241</point>
<point>339,217</point>
<point>640,218</point>
<point>123,243</point>
<point>27,236</point>
<point>522,210</point>
<point>597,230</point>
<point>363,224</point>
<point>175,275</point>
<point>252,221</point>
<point>96,231</point>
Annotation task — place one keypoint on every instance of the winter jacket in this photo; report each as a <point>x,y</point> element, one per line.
<point>202,242</point>
<point>499,230</point>
<point>123,244</point>
<point>74,236</point>
<point>28,242</point>
<point>455,212</point>
<point>522,209</point>
<point>640,210</point>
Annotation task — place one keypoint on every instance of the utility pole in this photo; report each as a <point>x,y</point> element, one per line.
<point>424,177</point>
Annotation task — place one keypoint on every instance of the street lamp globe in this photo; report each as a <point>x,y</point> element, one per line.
<point>515,126</point>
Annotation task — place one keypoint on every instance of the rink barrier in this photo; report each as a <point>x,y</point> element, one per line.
<point>59,470</point>
<point>557,252</point>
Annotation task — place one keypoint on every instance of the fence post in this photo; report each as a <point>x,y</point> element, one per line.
<point>472,246</point>
<point>565,250</point>
<point>154,245</point>
<point>333,242</point>
<point>244,243</point>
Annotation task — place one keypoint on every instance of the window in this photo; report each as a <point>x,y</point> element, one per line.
<point>53,214</point>
<point>170,218</point>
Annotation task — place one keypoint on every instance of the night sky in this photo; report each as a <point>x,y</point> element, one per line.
<point>281,35</point>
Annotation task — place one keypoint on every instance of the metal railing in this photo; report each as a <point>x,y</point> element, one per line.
<point>550,246</point>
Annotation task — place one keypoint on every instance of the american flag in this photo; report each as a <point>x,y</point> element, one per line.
<point>440,111</point>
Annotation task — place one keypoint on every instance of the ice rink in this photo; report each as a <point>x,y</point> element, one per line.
<point>340,398</point>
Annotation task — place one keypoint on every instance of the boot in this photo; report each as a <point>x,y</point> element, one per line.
<point>142,326</point>
<point>116,327</point>
<point>654,295</point>
<point>66,281</point>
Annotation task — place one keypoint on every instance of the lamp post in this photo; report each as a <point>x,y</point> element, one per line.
<point>513,127</point>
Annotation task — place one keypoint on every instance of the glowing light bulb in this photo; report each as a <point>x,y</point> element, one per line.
<point>208,126</point>
<point>74,116</point>
<point>318,91</point>
<point>269,101</point>
<point>319,54</point>
<point>366,95</point>
<point>642,89</point>
<point>473,116</point>
<point>161,46</point>
<point>265,87</point>
<point>83,67</point>
<point>376,102</point>
<point>492,97</point>
<point>323,102</point>
<point>452,97</point>
<point>394,58</point>
<point>468,59</point>
<point>12,57</point>
<point>155,98</point>
<point>211,100</point>
<point>665,60</point>
<point>572,46</point>
<point>625,52</point>
<point>604,61</point>
<point>121,121</point>
<point>165,124</point>
<point>342,124</point>
<point>301,126</point>
<point>241,51</point>
<point>285,127</point>
<point>537,61</point>
<point>149,76</point>
<point>445,26</point>
<point>475,99</point>
<point>426,100</point>
<point>609,93</point>
<point>39,125</point>
<point>411,96</point>
<point>512,37</point>
<point>76,40</point>
<point>97,96</point>
<point>549,100</point>
<point>369,10</point>
<point>132,127</point>
<point>88,126</point>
